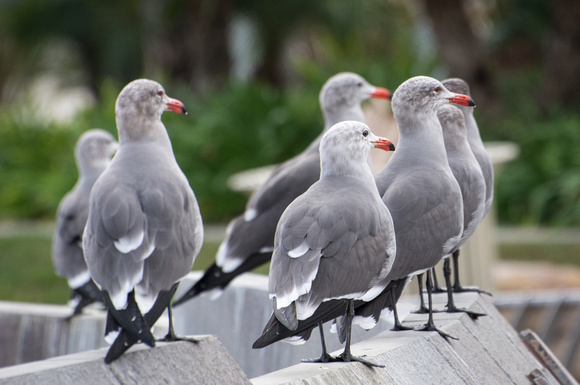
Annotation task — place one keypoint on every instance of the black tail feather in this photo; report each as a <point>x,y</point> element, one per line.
<point>87,294</point>
<point>275,331</point>
<point>125,340</point>
<point>385,300</point>
<point>214,277</point>
<point>130,319</point>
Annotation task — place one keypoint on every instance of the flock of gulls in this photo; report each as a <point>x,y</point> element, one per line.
<point>343,242</point>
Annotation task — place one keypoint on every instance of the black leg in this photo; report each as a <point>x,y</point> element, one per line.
<point>346,355</point>
<point>436,287</point>
<point>398,325</point>
<point>451,308</point>
<point>422,308</point>
<point>171,336</point>
<point>430,325</point>
<point>457,288</point>
<point>324,357</point>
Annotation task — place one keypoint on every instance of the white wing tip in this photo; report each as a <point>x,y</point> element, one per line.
<point>299,251</point>
<point>250,215</point>
<point>128,243</point>
<point>79,280</point>
<point>294,340</point>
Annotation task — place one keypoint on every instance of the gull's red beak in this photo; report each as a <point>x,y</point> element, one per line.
<point>176,106</point>
<point>381,93</point>
<point>462,100</point>
<point>384,144</point>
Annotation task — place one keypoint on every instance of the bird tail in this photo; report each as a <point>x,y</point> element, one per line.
<point>386,300</point>
<point>87,294</point>
<point>214,277</point>
<point>130,319</point>
<point>275,331</point>
<point>125,339</point>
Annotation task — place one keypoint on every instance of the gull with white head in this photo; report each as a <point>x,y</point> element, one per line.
<point>334,244</point>
<point>144,228</point>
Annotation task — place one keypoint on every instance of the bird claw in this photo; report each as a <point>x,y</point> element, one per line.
<point>360,359</point>
<point>461,289</point>
<point>400,327</point>
<point>169,337</point>
<point>325,358</point>
<point>454,309</point>
<point>430,327</point>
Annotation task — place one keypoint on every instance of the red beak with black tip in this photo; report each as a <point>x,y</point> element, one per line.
<point>384,144</point>
<point>462,100</point>
<point>176,106</point>
<point>381,93</point>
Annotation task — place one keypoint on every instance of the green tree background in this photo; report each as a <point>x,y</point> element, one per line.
<point>250,74</point>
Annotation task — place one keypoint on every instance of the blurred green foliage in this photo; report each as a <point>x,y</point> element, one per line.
<point>541,186</point>
<point>251,124</point>
<point>245,126</point>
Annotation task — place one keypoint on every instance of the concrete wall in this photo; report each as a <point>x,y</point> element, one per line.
<point>206,362</point>
<point>486,351</point>
<point>238,317</point>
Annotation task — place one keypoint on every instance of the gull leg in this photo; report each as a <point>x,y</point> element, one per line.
<point>457,288</point>
<point>324,357</point>
<point>436,287</point>
<point>346,355</point>
<point>171,336</point>
<point>398,325</point>
<point>451,308</point>
<point>430,325</point>
<point>422,308</point>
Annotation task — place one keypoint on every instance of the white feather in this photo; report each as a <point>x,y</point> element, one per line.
<point>79,279</point>
<point>112,336</point>
<point>299,251</point>
<point>145,301</point>
<point>129,242</point>
<point>250,214</point>
<point>364,322</point>
<point>231,264</point>
<point>451,243</point>
<point>294,340</point>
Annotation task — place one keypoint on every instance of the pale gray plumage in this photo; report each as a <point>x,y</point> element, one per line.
<point>250,237</point>
<point>340,99</point>
<point>144,229</point>
<point>474,139</point>
<point>472,184</point>
<point>93,152</point>
<point>336,240</point>
<point>417,184</point>
<point>465,168</point>
<point>419,188</point>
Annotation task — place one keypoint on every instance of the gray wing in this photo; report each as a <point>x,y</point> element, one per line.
<point>334,241</point>
<point>67,252</point>
<point>427,213</point>
<point>254,231</point>
<point>472,185</point>
<point>147,236</point>
<point>484,161</point>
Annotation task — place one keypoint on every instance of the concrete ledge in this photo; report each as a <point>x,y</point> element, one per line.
<point>206,362</point>
<point>488,351</point>
<point>32,332</point>
<point>238,317</point>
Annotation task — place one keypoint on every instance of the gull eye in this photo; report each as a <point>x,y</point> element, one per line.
<point>359,84</point>
<point>365,133</point>
<point>160,93</point>
<point>437,89</point>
